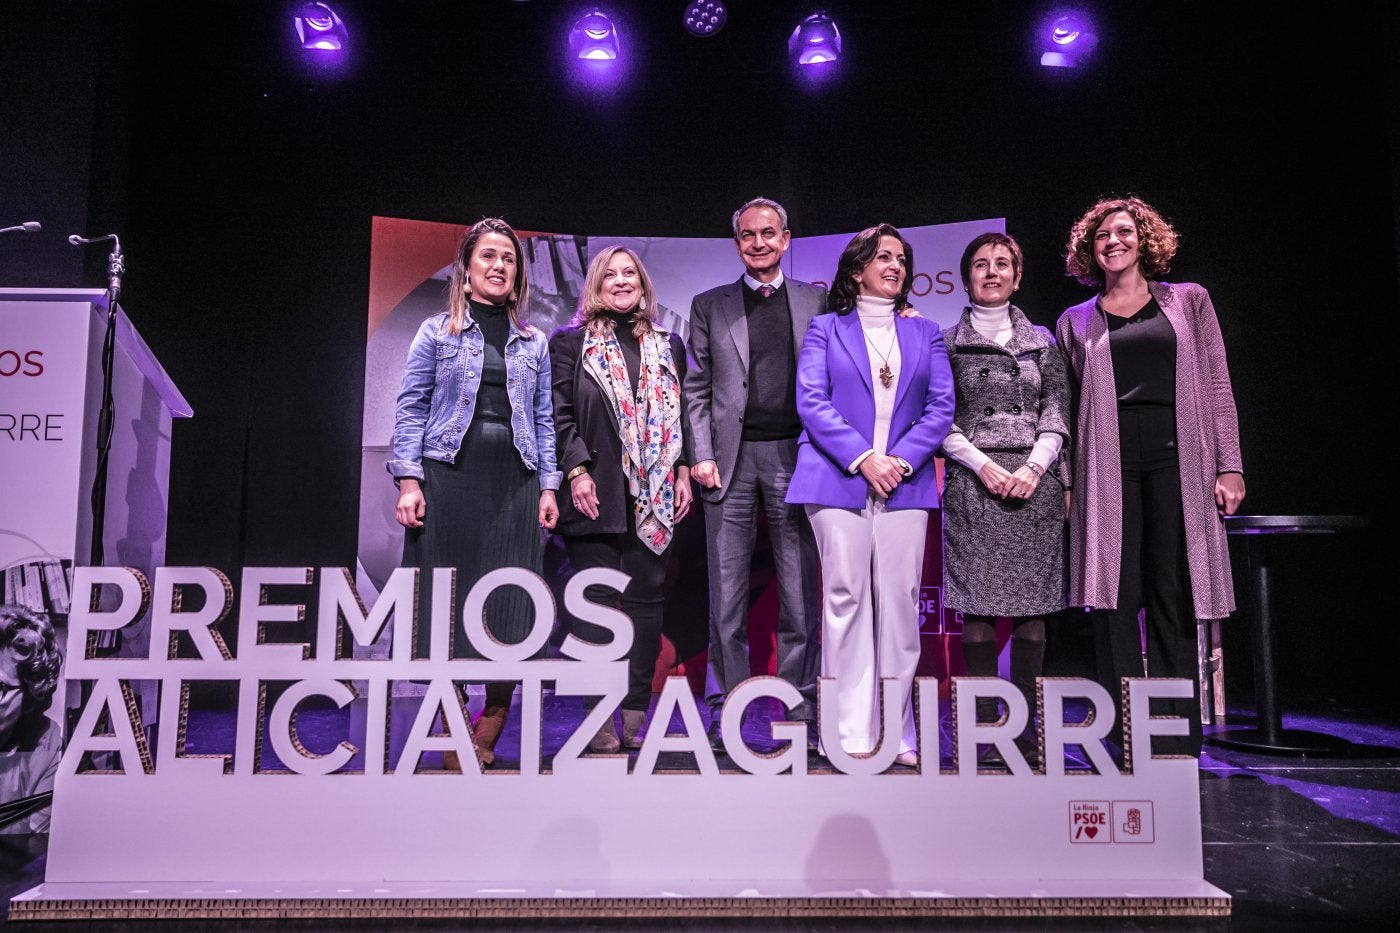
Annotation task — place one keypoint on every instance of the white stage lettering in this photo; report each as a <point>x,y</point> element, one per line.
<point>588,670</point>
<point>377,803</point>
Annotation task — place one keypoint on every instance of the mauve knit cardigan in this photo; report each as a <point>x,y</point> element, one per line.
<point>1208,444</point>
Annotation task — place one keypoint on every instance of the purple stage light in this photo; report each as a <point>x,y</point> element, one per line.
<point>705,17</point>
<point>319,28</point>
<point>815,41</point>
<point>594,38</point>
<point>1067,39</point>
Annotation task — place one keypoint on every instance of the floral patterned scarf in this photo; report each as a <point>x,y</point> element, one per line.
<point>648,423</point>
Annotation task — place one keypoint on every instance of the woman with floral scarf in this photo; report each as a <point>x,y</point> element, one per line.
<point>618,411</point>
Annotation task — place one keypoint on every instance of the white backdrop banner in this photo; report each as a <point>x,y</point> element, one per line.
<point>411,261</point>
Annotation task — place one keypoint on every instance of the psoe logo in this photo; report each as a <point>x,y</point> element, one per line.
<point>1089,821</point>
<point>13,363</point>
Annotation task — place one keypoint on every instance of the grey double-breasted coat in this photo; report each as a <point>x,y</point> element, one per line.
<point>1005,557</point>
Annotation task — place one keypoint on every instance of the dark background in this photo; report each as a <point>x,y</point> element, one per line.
<point>242,183</point>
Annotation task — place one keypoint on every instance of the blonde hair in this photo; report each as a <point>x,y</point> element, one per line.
<point>593,311</point>
<point>457,285</point>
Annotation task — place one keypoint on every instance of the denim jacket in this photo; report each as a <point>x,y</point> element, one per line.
<point>440,383</point>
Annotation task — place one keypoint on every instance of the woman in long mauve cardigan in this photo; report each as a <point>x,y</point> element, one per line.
<point>1156,455</point>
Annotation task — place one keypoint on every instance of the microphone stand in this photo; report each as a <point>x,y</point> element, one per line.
<point>116,266</point>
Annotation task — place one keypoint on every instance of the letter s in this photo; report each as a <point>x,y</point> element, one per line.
<point>614,620</point>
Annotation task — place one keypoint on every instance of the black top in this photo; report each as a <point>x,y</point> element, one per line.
<point>770,413</point>
<point>1143,348</point>
<point>492,400</point>
<point>630,346</point>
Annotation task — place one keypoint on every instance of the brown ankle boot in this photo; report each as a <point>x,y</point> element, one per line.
<point>632,722</point>
<point>487,729</point>
<point>605,741</point>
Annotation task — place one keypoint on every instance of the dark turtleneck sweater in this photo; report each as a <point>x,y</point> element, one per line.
<point>492,400</point>
<point>630,346</point>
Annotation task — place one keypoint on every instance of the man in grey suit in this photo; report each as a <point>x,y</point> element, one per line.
<point>742,402</point>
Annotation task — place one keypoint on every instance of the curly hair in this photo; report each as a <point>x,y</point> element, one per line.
<point>1156,239</point>
<point>28,637</point>
<point>457,285</point>
<point>855,257</point>
<point>592,311</point>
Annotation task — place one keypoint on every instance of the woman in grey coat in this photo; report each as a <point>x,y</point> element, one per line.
<point>1003,496</point>
<point>1156,454</point>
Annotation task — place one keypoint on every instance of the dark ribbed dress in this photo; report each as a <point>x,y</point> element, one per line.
<point>482,510</point>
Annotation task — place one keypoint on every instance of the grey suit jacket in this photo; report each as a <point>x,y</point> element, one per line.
<point>717,384</point>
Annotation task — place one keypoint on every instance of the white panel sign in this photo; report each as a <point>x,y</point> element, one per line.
<point>166,816</point>
<point>43,376</point>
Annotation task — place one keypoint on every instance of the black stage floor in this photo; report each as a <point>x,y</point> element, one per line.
<point>1299,844</point>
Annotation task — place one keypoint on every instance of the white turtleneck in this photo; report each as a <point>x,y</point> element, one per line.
<point>995,325</point>
<point>992,323</point>
<point>882,346</point>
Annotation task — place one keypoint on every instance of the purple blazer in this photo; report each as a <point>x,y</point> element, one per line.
<point>836,402</point>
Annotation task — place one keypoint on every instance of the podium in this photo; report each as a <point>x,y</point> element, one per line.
<point>50,393</point>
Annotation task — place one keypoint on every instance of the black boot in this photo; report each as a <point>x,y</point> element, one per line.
<point>1027,660</point>
<point>980,660</point>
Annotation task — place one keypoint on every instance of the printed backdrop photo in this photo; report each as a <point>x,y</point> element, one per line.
<point>410,264</point>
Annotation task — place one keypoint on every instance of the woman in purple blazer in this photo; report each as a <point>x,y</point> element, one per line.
<point>875,395</point>
<point>1156,454</point>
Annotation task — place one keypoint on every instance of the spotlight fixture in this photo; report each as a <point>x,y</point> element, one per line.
<point>705,17</point>
<point>319,28</point>
<point>1068,40</point>
<point>815,41</point>
<point>594,37</point>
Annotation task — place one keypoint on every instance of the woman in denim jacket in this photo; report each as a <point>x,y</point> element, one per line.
<point>473,446</point>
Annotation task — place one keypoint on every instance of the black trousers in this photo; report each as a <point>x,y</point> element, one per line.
<point>642,601</point>
<point>1154,577</point>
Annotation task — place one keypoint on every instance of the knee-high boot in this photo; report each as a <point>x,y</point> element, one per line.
<point>980,660</point>
<point>1027,660</point>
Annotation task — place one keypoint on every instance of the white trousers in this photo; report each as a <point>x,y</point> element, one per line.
<point>872,565</point>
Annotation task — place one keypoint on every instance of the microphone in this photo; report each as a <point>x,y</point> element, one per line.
<point>76,240</point>
<point>29,226</point>
<point>116,263</point>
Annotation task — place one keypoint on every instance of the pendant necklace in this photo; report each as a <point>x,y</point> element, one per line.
<point>886,373</point>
